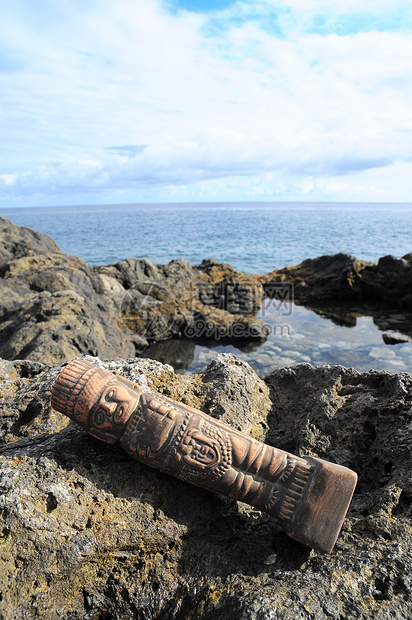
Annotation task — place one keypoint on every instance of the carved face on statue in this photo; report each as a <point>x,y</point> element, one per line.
<point>112,410</point>
<point>95,398</point>
<point>204,451</point>
<point>199,450</point>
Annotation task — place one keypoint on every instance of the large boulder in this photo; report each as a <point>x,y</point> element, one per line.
<point>51,310</point>
<point>51,327</point>
<point>390,281</point>
<point>154,301</point>
<point>211,301</point>
<point>315,280</point>
<point>17,241</point>
<point>343,278</point>
<point>86,532</point>
<point>225,288</point>
<point>54,306</point>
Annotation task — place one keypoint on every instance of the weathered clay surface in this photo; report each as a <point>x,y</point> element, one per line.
<point>87,533</point>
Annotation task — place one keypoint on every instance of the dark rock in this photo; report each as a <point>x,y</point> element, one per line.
<point>119,309</point>
<point>160,302</point>
<point>25,400</point>
<point>17,241</point>
<point>333,277</point>
<point>86,532</point>
<point>54,307</point>
<point>154,301</point>
<point>51,311</point>
<point>390,281</point>
<point>225,288</point>
<point>394,338</point>
<point>52,327</point>
<point>343,278</point>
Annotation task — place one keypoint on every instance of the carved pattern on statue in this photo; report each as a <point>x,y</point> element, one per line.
<point>187,443</point>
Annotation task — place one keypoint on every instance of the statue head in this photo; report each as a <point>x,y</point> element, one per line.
<point>96,399</point>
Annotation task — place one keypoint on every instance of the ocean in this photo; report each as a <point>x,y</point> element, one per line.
<point>254,238</point>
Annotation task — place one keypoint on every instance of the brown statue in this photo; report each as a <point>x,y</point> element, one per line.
<point>308,495</point>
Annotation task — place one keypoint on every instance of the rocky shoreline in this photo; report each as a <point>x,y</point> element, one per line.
<point>54,306</point>
<point>86,533</point>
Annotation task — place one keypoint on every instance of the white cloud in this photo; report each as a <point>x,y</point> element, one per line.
<point>257,89</point>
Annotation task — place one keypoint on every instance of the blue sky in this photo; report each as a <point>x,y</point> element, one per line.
<point>120,101</point>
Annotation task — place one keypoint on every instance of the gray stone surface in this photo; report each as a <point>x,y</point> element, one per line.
<point>17,241</point>
<point>51,310</point>
<point>87,533</point>
<point>342,277</point>
<point>54,307</point>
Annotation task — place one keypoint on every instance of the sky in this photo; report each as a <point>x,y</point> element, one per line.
<point>140,101</point>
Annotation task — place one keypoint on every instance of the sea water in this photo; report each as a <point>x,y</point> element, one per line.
<point>254,238</point>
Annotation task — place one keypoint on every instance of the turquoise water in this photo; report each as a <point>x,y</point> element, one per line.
<point>254,238</point>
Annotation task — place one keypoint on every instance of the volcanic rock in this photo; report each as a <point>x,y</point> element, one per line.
<point>225,288</point>
<point>86,532</point>
<point>331,277</point>
<point>54,306</point>
<point>17,241</point>
<point>390,281</point>
<point>51,311</point>
<point>342,278</point>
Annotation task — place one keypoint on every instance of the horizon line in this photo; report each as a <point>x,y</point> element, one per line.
<point>209,202</point>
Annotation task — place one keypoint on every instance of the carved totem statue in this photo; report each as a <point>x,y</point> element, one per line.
<point>308,495</point>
